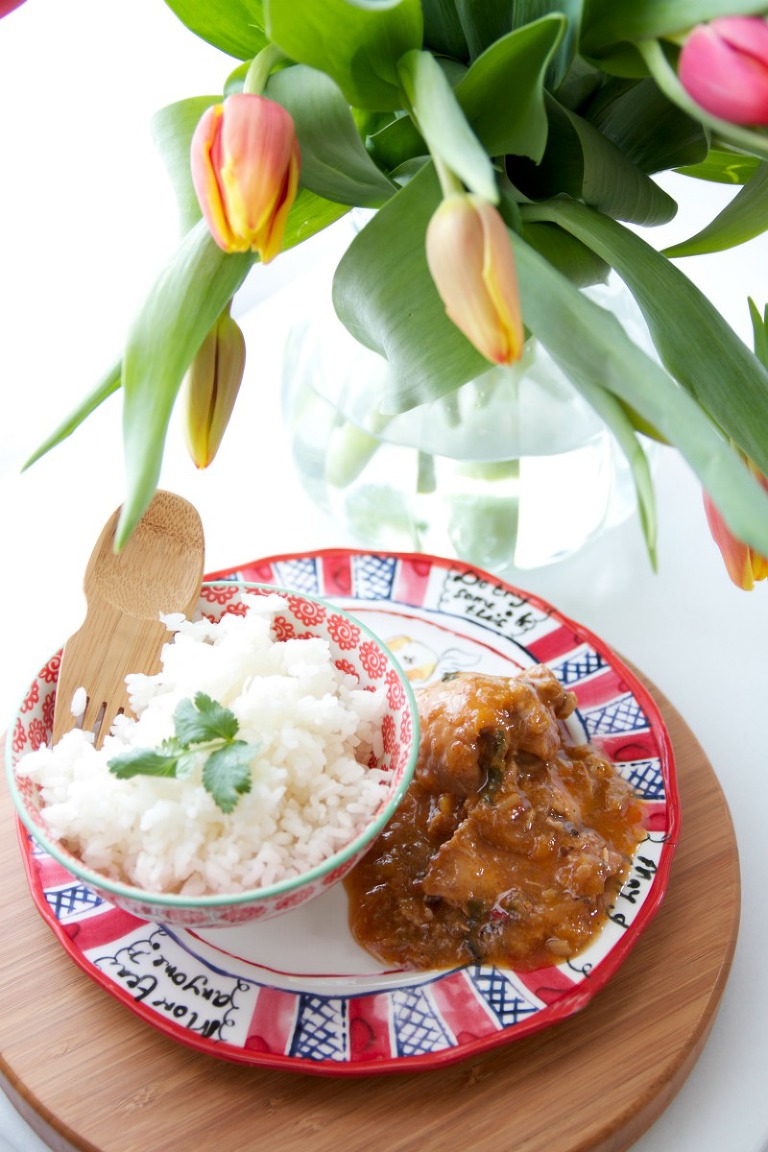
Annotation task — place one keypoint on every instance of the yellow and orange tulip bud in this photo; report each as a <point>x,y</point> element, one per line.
<point>211,387</point>
<point>245,170</point>
<point>744,566</point>
<point>471,262</point>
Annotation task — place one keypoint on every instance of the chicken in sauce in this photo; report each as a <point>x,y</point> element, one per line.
<point>510,842</point>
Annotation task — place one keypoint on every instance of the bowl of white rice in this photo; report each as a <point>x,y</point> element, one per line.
<point>261,761</point>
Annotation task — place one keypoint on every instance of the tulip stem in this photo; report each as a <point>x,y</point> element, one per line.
<point>449,181</point>
<point>261,66</point>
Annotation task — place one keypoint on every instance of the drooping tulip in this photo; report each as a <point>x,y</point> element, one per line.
<point>743,564</point>
<point>245,170</point>
<point>471,262</point>
<point>724,67</point>
<point>211,387</point>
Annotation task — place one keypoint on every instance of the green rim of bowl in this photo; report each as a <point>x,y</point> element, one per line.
<point>250,895</point>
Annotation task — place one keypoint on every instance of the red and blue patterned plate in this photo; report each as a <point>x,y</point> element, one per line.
<point>297,992</point>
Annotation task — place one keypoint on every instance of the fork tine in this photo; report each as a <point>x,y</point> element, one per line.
<point>112,709</point>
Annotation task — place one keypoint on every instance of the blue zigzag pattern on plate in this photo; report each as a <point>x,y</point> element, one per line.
<point>69,901</point>
<point>585,663</point>
<point>621,715</point>
<point>417,1028</point>
<point>299,575</point>
<point>373,576</point>
<point>321,1031</point>
<point>508,1003</point>
<point>646,778</point>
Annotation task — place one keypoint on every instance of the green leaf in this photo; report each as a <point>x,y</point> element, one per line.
<point>108,384</point>
<point>442,29</point>
<point>722,167</point>
<point>759,332</point>
<point>592,348</point>
<point>741,220</point>
<point>144,762</point>
<point>172,130</point>
<point>356,42</point>
<point>648,129</point>
<point>203,719</point>
<point>613,184</point>
<point>179,310</point>
<point>310,214</point>
<point>227,773</point>
<point>583,163</point>
<point>443,125</point>
<point>334,162</point>
<point>609,22</point>
<point>564,252</point>
<point>396,143</point>
<point>384,294</point>
<point>483,22</point>
<point>502,94</point>
<point>696,345</point>
<point>234,26</point>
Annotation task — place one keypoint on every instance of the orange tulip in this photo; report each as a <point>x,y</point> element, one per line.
<point>471,262</point>
<point>744,566</point>
<point>211,388</point>
<point>724,67</point>
<point>245,170</point>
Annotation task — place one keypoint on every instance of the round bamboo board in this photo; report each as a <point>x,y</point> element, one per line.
<point>88,1075</point>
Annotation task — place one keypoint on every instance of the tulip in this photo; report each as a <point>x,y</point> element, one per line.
<point>724,67</point>
<point>245,170</point>
<point>7,6</point>
<point>744,566</point>
<point>471,262</point>
<point>211,388</point>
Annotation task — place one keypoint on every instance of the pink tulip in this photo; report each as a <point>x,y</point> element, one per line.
<point>245,169</point>
<point>211,388</point>
<point>471,262</point>
<point>744,566</point>
<point>724,67</point>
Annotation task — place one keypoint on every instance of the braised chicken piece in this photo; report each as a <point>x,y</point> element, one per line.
<point>510,842</point>
<point>472,725</point>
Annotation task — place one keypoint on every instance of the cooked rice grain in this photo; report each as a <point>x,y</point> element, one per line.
<point>311,792</point>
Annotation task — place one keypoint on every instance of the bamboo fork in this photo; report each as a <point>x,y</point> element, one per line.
<point>160,569</point>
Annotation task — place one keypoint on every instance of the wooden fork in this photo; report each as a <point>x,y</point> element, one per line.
<point>160,569</point>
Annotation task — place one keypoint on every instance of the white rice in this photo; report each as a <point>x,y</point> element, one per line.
<point>311,792</point>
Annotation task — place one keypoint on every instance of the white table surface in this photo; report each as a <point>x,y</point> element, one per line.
<point>86,219</point>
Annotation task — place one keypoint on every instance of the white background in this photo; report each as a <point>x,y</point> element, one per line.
<point>86,221</point>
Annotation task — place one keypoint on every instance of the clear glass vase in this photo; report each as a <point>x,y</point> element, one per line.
<point>512,470</point>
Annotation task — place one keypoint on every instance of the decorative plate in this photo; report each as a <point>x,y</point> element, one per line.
<point>297,992</point>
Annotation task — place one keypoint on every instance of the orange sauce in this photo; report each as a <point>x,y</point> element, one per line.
<point>510,843</point>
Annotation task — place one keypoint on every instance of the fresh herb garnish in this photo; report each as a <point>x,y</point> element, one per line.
<point>202,721</point>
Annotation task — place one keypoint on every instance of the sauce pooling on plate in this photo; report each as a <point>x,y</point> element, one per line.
<point>510,842</point>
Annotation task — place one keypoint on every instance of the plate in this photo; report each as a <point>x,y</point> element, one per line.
<point>297,992</point>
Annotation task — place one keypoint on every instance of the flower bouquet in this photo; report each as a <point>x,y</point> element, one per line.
<point>509,151</point>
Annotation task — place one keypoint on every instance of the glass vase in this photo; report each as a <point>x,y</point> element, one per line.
<point>514,470</point>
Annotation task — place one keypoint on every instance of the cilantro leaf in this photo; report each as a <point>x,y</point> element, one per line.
<point>144,762</point>
<point>227,773</point>
<point>203,720</point>
<point>227,767</point>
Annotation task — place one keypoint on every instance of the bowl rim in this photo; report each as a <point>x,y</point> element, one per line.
<point>176,900</point>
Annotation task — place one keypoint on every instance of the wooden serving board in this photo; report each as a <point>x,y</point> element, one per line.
<point>89,1075</point>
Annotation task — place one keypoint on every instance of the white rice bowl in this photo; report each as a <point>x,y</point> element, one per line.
<point>312,789</point>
